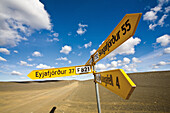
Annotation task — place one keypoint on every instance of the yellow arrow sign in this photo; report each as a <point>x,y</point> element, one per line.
<point>123,31</point>
<point>117,81</point>
<point>60,72</point>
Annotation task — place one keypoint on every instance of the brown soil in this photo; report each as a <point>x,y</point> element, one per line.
<point>152,94</point>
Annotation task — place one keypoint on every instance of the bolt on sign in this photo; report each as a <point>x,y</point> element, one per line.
<point>116,81</point>
<point>123,31</point>
<point>60,72</point>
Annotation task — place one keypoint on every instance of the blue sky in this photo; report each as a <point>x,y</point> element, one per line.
<point>59,33</point>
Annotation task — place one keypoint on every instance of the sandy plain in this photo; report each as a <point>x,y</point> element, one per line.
<point>151,95</point>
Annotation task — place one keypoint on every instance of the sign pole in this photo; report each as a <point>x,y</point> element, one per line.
<point>97,97</point>
<point>96,88</point>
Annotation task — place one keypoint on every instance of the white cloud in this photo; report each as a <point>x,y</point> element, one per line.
<point>36,54</point>
<point>136,60</point>
<point>30,59</point>
<point>126,48</point>
<point>69,62</point>
<point>82,25</point>
<point>5,51</point>
<point>56,39</point>
<point>152,26</point>
<point>129,46</point>
<point>161,21</point>
<point>100,67</point>
<point>114,64</point>
<point>81,30</point>
<point>125,64</point>
<point>43,66</point>
<point>21,17</point>
<point>119,63</point>
<point>69,34</point>
<point>157,8</point>
<point>167,9</point>
<point>153,58</point>
<point>15,51</point>
<point>79,54</point>
<point>126,68</point>
<point>88,44</point>
<point>16,73</point>
<point>126,60</point>
<point>164,40</point>
<point>150,15</point>
<point>56,63</point>
<point>162,2</point>
<point>108,65</point>
<point>9,37</point>
<point>23,63</point>
<point>53,39</point>
<point>79,47</point>
<point>161,63</point>
<point>167,50</point>
<point>103,67</point>
<point>66,49</point>
<point>55,34</point>
<point>93,51</point>
<point>62,58</point>
<point>155,67</point>
<point>2,59</point>
<point>113,58</point>
<point>130,68</point>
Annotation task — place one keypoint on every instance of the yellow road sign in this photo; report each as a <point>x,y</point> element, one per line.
<point>123,31</point>
<point>117,81</point>
<point>60,72</point>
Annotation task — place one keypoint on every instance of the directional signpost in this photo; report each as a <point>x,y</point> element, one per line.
<point>115,80</point>
<point>60,72</point>
<point>123,31</point>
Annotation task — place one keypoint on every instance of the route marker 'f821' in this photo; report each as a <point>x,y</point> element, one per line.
<point>117,81</point>
<point>123,31</point>
<point>60,72</point>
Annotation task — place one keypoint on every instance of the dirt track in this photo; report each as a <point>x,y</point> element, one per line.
<point>151,95</point>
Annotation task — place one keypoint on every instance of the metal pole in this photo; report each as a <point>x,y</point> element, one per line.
<point>97,97</point>
<point>97,90</point>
